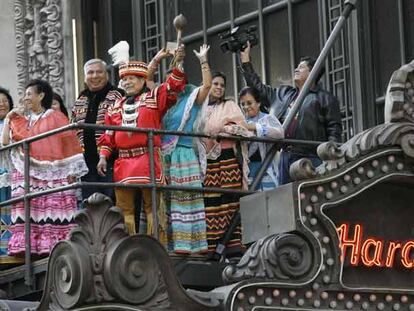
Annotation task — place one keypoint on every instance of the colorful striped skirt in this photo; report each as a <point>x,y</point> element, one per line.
<point>187,219</point>
<point>220,208</point>
<point>51,216</point>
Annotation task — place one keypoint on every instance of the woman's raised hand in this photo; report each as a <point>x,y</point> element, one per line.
<point>163,53</point>
<point>202,55</point>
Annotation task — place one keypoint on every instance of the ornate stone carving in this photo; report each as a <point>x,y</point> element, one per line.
<point>39,43</point>
<point>276,257</point>
<point>382,136</point>
<point>101,263</point>
<point>302,169</point>
<point>399,100</point>
<point>21,52</point>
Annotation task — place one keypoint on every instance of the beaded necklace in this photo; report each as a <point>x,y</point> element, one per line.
<point>130,112</point>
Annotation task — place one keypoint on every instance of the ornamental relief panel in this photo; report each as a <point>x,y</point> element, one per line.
<point>39,43</point>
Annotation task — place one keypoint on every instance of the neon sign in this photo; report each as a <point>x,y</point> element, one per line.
<point>374,252</point>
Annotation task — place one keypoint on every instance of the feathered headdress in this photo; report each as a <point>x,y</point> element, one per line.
<point>119,53</point>
<point>120,56</point>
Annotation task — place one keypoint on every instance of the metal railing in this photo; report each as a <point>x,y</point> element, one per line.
<point>25,144</point>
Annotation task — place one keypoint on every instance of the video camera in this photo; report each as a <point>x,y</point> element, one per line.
<point>237,41</point>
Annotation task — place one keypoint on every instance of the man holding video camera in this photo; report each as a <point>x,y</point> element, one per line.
<point>318,119</point>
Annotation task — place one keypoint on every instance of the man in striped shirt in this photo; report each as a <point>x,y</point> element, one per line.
<point>90,107</point>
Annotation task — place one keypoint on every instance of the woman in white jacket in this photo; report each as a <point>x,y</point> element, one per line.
<point>263,125</point>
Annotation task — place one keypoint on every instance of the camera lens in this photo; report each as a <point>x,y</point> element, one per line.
<point>224,47</point>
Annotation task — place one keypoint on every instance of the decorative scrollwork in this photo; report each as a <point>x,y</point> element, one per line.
<point>131,272</point>
<point>102,263</point>
<point>278,257</point>
<point>71,274</point>
<point>76,266</point>
<point>407,144</point>
<point>21,51</point>
<point>399,100</point>
<point>98,236</point>
<point>330,151</point>
<point>380,136</point>
<point>302,169</point>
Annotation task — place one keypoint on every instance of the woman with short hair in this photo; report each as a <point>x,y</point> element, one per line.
<point>55,161</point>
<point>262,125</point>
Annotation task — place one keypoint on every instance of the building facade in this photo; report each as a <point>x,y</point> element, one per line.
<point>53,39</point>
<point>376,40</point>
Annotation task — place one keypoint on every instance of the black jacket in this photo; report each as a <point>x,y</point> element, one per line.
<point>319,117</point>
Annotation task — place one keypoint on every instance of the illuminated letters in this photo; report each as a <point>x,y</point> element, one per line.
<point>365,256</point>
<point>406,260</point>
<point>354,244</point>
<point>371,251</point>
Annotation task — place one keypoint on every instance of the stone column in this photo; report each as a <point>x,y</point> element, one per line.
<point>40,47</point>
<point>8,73</point>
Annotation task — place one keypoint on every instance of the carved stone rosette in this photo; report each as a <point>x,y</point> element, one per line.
<point>101,266</point>
<point>39,43</point>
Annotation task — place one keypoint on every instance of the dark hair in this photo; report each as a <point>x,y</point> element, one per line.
<point>44,87</point>
<point>216,74</point>
<point>62,107</point>
<point>311,61</point>
<point>7,94</point>
<point>248,90</point>
<point>255,93</point>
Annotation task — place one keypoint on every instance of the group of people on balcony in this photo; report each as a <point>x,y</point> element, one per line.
<point>188,222</point>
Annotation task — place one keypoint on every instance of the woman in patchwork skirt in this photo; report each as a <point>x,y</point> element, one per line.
<point>224,163</point>
<point>187,219</point>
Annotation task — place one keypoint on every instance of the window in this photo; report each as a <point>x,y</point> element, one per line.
<point>170,12</point>
<point>409,29</point>
<point>121,28</point>
<point>277,49</point>
<point>218,11</point>
<point>386,45</point>
<point>192,65</point>
<point>191,9</point>
<point>306,29</point>
<point>242,7</point>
